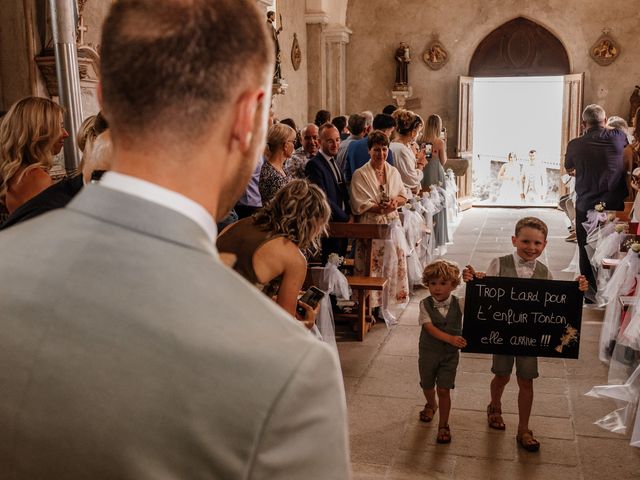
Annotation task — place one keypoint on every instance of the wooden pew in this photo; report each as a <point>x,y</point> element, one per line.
<point>362,286</point>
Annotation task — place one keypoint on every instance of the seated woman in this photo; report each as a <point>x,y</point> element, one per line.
<point>269,245</point>
<point>280,146</point>
<point>31,133</point>
<point>377,192</point>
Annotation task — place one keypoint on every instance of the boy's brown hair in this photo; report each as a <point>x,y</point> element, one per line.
<point>532,222</point>
<point>442,269</point>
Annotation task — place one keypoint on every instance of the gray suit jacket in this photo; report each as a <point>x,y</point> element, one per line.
<point>128,351</point>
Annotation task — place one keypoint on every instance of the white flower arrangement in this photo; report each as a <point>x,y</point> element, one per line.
<point>335,259</point>
<point>621,227</point>
<point>600,206</point>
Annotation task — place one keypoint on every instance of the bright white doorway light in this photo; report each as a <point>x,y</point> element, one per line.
<point>517,114</point>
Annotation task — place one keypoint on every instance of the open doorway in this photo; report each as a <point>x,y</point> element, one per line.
<point>517,140</point>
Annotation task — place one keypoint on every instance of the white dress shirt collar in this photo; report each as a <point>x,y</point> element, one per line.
<point>162,196</point>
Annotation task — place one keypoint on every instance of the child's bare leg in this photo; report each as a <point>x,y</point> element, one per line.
<point>525,402</point>
<point>497,389</point>
<point>430,396</point>
<point>444,395</point>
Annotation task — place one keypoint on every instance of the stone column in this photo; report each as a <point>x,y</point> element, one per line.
<point>336,38</point>
<point>316,62</point>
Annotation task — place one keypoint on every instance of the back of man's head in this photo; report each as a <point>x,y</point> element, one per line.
<point>356,124</point>
<point>594,115</point>
<point>382,121</point>
<point>170,68</point>
<point>368,115</point>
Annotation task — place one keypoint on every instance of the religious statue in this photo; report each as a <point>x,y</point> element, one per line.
<point>403,60</point>
<point>271,22</point>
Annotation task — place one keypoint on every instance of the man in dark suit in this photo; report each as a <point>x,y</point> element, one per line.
<point>596,157</point>
<point>324,172</point>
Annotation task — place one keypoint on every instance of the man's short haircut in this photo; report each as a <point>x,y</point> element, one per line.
<point>377,138</point>
<point>322,117</point>
<point>340,122</point>
<point>356,123</point>
<point>442,270</point>
<point>532,151</point>
<point>303,132</point>
<point>382,121</point>
<point>171,67</point>
<point>290,122</point>
<point>593,115</point>
<point>532,222</point>
<point>324,127</point>
<point>389,109</point>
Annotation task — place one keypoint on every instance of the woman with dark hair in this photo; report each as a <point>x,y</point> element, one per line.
<point>631,158</point>
<point>269,246</point>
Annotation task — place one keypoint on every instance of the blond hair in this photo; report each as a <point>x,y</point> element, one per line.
<point>532,222</point>
<point>433,128</point>
<point>406,121</point>
<point>442,270</point>
<point>277,136</point>
<point>299,211</point>
<point>27,135</point>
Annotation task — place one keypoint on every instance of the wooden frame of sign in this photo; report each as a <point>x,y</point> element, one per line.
<point>527,317</point>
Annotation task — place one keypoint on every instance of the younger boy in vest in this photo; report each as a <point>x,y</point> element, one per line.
<point>440,342</point>
<point>529,240</point>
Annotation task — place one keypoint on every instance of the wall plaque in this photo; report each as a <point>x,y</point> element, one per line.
<point>605,51</point>
<point>435,56</point>
<point>296,53</point>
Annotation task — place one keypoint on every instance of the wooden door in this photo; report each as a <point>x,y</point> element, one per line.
<point>571,110</point>
<point>464,148</point>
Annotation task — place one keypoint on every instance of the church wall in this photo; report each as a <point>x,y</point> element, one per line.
<point>379,25</point>
<point>293,103</point>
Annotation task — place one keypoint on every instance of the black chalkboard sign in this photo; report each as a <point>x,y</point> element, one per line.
<point>518,316</point>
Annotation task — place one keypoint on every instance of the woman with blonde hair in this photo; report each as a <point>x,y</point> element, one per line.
<point>434,173</point>
<point>31,133</point>
<point>280,146</point>
<point>269,245</point>
<point>409,161</point>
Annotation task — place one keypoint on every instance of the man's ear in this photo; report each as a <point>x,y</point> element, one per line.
<point>245,111</point>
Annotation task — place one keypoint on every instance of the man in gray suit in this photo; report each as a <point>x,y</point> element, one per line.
<point>128,350</point>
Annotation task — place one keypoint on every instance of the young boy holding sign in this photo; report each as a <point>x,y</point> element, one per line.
<point>530,240</point>
<point>440,342</point>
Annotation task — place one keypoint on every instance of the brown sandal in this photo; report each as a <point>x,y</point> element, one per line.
<point>527,441</point>
<point>444,435</point>
<point>427,413</point>
<point>494,417</point>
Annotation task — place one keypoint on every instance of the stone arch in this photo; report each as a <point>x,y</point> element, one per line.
<point>519,47</point>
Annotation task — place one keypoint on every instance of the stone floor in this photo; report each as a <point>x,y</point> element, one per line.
<point>384,398</point>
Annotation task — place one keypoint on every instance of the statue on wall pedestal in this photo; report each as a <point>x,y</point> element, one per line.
<point>271,21</point>
<point>403,59</point>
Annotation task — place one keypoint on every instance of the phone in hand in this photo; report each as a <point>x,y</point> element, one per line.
<point>311,297</point>
<point>428,148</point>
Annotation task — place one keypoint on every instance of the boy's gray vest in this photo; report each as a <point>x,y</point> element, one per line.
<point>508,268</point>
<point>451,324</point>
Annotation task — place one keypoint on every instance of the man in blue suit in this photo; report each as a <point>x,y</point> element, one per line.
<point>324,172</point>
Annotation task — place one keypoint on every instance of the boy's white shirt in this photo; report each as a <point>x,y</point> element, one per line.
<point>442,307</point>
<point>524,270</point>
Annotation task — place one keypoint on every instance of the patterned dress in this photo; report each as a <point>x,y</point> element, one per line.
<point>271,180</point>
